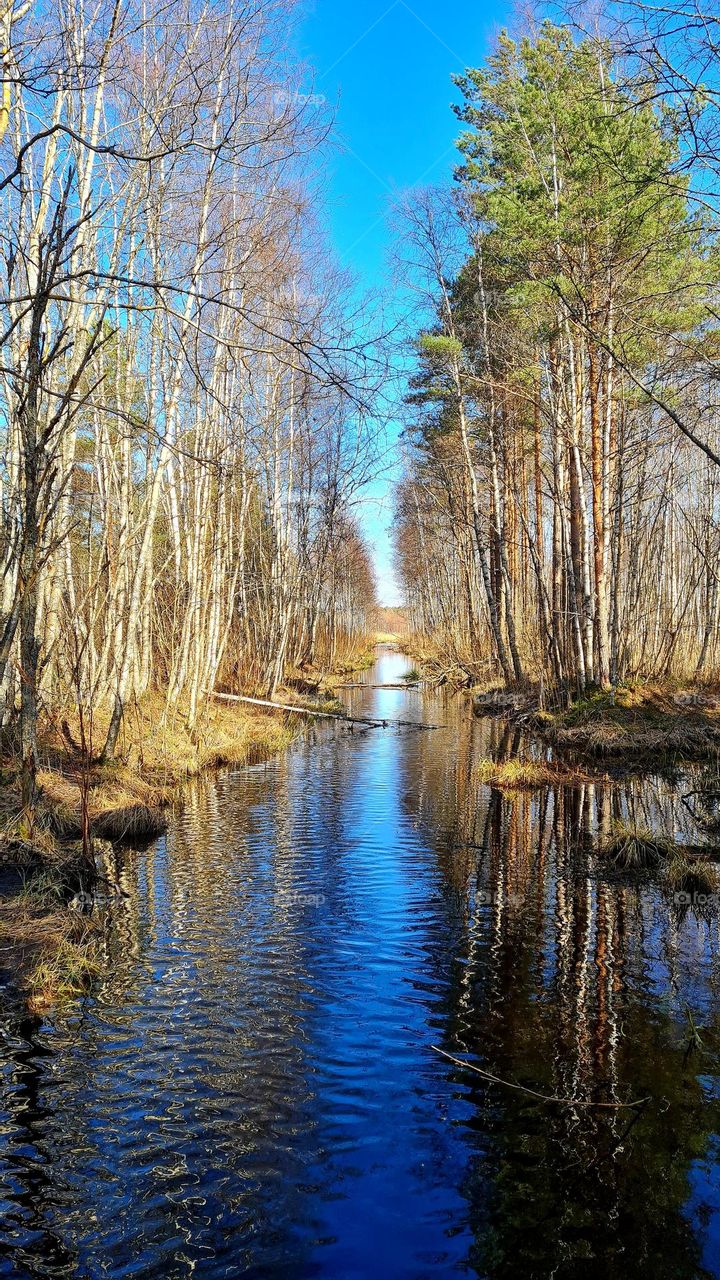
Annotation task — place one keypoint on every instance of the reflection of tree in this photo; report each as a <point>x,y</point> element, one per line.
<point>245,1045</point>
<point>34,1185</point>
<point>574,982</point>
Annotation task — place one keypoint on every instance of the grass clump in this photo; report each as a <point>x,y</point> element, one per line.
<point>66,972</point>
<point>691,878</point>
<point>633,848</point>
<point>44,888</point>
<point>159,747</point>
<point>122,810</point>
<point>684,868</point>
<point>523,775</point>
<point>49,952</point>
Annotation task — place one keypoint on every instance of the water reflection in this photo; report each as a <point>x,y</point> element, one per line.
<point>252,1090</point>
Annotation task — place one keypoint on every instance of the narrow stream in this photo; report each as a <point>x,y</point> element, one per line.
<point>252,1089</point>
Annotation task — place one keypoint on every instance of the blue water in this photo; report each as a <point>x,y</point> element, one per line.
<point>251,1088</point>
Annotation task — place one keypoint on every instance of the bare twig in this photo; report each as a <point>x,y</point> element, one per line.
<point>533,1093</point>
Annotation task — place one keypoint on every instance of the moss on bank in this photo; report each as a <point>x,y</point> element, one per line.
<point>642,726</point>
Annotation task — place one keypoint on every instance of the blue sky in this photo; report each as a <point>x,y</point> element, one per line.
<point>385,65</point>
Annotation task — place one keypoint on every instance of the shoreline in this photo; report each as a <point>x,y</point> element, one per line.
<point>50,928</point>
<point>50,923</point>
<point>639,726</point>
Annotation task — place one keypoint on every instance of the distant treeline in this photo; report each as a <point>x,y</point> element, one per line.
<point>391,620</point>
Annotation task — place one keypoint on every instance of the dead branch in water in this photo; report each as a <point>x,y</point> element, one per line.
<point>533,1093</point>
<point>396,684</point>
<point>325,715</point>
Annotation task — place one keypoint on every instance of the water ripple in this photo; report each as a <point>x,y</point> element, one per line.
<point>252,1090</point>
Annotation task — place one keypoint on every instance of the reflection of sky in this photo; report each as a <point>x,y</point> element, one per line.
<point>387,67</point>
<point>250,1088</point>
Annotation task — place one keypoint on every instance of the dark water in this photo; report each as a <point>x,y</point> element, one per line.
<point>251,1089</point>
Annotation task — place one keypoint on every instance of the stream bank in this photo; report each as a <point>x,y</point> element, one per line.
<point>50,937</point>
<point>631,727</point>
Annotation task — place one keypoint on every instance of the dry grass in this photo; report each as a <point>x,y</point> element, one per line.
<point>690,874</point>
<point>157,754</point>
<point>636,742</point>
<point>65,972</point>
<point>50,952</point>
<point>162,750</point>
<point>638,724</point>
<point>632,848</point>
<point>320,682</point>
<point>446,665</point>
<point>126,796</point>
<point>524,775</point>
<point>684,867</point>
<point>360,660</point>
<point>118,810</point>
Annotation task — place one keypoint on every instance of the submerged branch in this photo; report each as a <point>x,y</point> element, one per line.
<point>533,1093</point>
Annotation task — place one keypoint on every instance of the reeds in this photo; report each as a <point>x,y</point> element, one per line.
<point>64,973</point>
<point>691,879</point>
<point>52,952</point>
<point>685,869</point>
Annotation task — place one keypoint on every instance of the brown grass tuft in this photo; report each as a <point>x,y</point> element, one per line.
<point>524,775</point>
<point>690,877</point>
<point>632,848</point>
<point>51,952</point>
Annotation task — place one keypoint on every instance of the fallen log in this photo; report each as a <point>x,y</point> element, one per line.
<point>404,684</point>
<point>275,706</point>
<point>324,715</point>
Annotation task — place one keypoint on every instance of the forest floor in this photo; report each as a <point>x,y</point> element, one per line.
<point>50,933</point>
<point>634,727</point>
